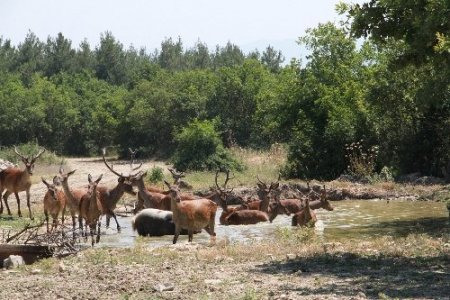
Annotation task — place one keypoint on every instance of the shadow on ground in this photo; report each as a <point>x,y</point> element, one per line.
<point>393,276</point>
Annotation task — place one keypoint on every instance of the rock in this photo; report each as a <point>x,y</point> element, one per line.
<point>13,261</point>
<point>164,287</point>
<point>36,271</point>
<point>290,256</point>
<point>213,281</point>
<point>62,267</point>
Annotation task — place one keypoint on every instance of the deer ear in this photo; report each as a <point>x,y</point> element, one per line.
<point>89,178</point>
<point>99,178</point>
<point>45,182</point>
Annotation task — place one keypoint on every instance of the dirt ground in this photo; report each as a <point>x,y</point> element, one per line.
<point>413,268</point>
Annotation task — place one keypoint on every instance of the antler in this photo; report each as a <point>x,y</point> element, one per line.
<point>227,173</point>
<point>39,154</point>
<point>20,155</point>
<point>110,168</point>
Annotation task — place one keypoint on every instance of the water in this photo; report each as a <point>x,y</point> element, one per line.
<point>357,219</point>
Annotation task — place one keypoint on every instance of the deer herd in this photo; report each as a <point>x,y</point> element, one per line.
<point>157,211</point>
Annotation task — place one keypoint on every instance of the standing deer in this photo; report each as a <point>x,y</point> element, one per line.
<point>110,197</point>
<point>192,215</point>
<point>15,180</point>
<point>263,194</point>
<point>91,208</point>
<point>54,203</point>
<point>73,197</point>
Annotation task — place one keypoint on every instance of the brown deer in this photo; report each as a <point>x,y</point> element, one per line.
<point>263,192</point>
<point>192,215</point>
<point>294,205</point>
<point>91,208</point>
<point>149,199</point>
<point>109,197</point>
<point>15,180</point>
<point>73,198</point>
<point>305,217</point>
<point>54,203</point>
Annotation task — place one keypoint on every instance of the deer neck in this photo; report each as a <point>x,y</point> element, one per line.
<point>68,192</point>
<point>117,192</point>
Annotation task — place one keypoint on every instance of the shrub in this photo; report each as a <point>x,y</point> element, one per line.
<point>199,147</point>
<point>156,175</point>
<point>29,149</point>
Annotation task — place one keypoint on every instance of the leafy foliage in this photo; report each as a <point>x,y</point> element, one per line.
<point>199,147</point>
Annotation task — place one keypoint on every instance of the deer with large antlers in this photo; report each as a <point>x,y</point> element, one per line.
<point>110,197</point>
<point>15,180</point>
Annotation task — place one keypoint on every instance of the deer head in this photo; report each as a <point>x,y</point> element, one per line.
<point>29,163</point>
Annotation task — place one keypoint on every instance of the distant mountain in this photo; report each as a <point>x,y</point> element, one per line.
<point>289,48</point>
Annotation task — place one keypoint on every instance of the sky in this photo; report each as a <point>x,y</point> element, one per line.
<point>249,24</point>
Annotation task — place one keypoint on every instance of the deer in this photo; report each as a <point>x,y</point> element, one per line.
<point>91,208</point>
<point>15,180</point>
<point>73,197</point>
<point>192,215</point>
<point>54,203</point>
<point>149,199</point>
<point>305,217</point>
<point>263,194</point>
<point>294,205</point>
<point>109,197</point>
<point>177,177</point>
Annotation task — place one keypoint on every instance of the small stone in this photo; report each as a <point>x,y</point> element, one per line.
<point>290,256</point>
<point>62,267</point>
<point>36,271</point>
<point>13,261</point>
<point>213,281</point>
<point>164,287</point>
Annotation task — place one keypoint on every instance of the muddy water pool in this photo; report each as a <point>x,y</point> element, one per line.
<point>357,219</point>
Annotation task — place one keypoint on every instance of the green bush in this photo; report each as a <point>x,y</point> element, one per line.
<point>156,175</point>
<point>199,147</point>
<point>29,149</point>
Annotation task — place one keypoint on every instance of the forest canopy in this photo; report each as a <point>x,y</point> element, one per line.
<point>382,76</point>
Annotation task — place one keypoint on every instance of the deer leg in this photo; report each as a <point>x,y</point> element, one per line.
<point>176,234</point>
<point>115,219</point>
<point>5,199</point>
<point>190,234</point>
<point>98,232</point>
<point>92,231</point>
<point>46,220</point>
<point>28,204</point>
<point>18,204</point>
<point>1,202</point>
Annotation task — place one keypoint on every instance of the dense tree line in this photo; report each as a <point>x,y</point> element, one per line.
<point>391,89</point>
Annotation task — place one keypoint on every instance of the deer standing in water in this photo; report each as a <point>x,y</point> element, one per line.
<point>193,215</point>
<point>305,217</point>
<point>15,180</point>
<point>110,196</point>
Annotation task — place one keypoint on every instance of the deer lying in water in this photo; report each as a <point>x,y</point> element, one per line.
<point>295,205</point>
<point>305,217</point>
<point>155,222</point>
<point>54,203</point>
<point>192,215</point>
<point>15,180</point>
<point>91,208</point>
